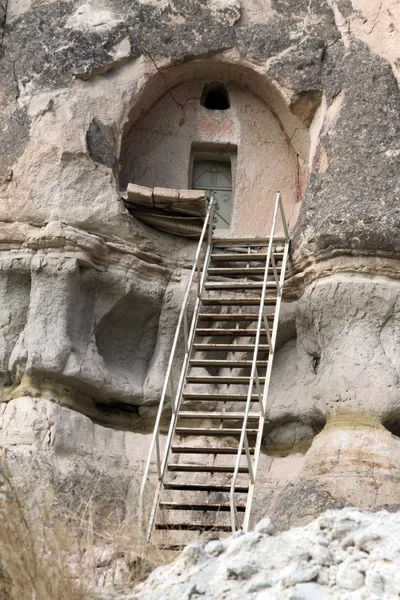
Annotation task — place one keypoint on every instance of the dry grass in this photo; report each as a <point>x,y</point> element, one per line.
<point>33,554</point>
<point>48,556</point>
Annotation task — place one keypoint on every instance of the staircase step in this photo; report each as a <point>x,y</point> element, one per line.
<point>171,547</point>
<point>243,271</point>
<point>251,241</point>
<point>192,527</point>
<point>238,285</point>
<point>231,332</point>
<point>208,450</point>
<point>233,257</point>
<point>210,432</point>
<point>202,507</point>
<point>187,467</point>
<point>204,487</point>
<point>220,379</point>
<point>205,444</point>
<point>209,397</point>
<point>234,364</point>
<point>242,301</point>
<point>229,347</point>
<point>232,316</point>
<point>197,414</point>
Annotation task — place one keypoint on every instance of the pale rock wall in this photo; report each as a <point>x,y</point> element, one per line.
<point>71,334</point>
<point>90,296</point>
<point>67,459</point>
<point>377,24</point>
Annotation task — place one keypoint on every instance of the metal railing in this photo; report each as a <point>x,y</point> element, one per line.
<point>254,378</point>
<point>176,393</point>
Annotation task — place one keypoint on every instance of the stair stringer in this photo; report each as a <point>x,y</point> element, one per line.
<point>261,396</point>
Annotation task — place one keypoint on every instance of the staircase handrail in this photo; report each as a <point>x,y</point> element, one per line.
<point>243,443</point>
<point>175,399</point>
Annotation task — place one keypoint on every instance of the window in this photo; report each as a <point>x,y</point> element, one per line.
<point>215,97</point>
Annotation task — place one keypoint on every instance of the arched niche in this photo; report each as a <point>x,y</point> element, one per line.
<point>266,145</point>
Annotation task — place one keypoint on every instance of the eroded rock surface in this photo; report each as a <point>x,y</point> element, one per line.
<point>56,454</point>
<point>90,296</point>
<point>344,554</point>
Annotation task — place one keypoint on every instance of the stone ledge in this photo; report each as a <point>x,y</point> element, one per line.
<point>191,202</point>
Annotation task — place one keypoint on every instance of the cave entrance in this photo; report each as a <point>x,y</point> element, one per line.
<point>216,176</point>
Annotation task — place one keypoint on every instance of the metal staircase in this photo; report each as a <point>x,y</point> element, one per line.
<point>206,461</point>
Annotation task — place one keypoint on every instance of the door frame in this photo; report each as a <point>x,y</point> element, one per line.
<point>215,152</point>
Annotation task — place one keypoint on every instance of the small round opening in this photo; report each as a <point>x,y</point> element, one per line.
<point>215,97</point>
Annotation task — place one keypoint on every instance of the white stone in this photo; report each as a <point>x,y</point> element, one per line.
<point>266,595</point>
<point>91,15</point>
<point>283,567</point>
<point>375,582</point>
<point>350,578</point>
<point>321,555</point>
<point>241,569</point>
<point>122,50</point>
<point>308,591</point>
<point>259,584</point>
<point>214,548</point>
<point>299,573</point>
<point>265,526</point>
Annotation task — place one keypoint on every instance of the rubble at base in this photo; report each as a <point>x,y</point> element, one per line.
<point>344,554</point>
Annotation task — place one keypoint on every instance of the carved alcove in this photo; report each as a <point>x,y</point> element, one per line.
<point>219,115</point>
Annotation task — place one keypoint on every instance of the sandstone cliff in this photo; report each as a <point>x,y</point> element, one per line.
<point>90,296</point>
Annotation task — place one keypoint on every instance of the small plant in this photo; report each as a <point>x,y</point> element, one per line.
<point>45,555</point>
<point>33,558</point>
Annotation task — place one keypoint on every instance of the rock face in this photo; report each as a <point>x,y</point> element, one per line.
<point>66,452</point>
<point>344,554</point>
<point>90,296</point>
